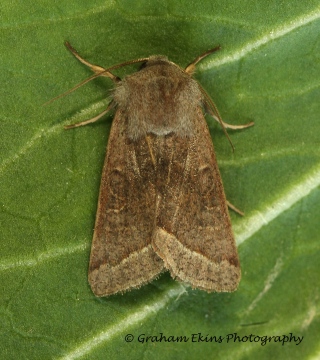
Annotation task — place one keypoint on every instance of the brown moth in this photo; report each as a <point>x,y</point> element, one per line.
<point>162,205</point>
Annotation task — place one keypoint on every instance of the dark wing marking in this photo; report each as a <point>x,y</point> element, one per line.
<point>122,256</point>
<point>193,232</point>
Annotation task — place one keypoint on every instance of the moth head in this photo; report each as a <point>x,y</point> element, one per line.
<point>155,60</point>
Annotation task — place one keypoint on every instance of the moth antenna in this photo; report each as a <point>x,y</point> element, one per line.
<point>215,110</point>
<point>74,88</point>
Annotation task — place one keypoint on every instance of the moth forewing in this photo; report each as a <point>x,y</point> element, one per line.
<point>122,256</point>
<point>193,232</point>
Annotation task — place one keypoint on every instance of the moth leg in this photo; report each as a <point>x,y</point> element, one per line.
<point>235,209</point>
<point>208,103</point>
<point>95,68</point>
<point>98,71</point>
<point>92,120</point>
<point>191,67</point>
<point>226,125</point>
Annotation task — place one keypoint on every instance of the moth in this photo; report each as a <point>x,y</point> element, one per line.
<point>161,205</point>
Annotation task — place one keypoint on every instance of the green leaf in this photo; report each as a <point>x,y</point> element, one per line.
<point>267,72</point>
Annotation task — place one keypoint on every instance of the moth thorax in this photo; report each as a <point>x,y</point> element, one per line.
<point>159,99</point>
